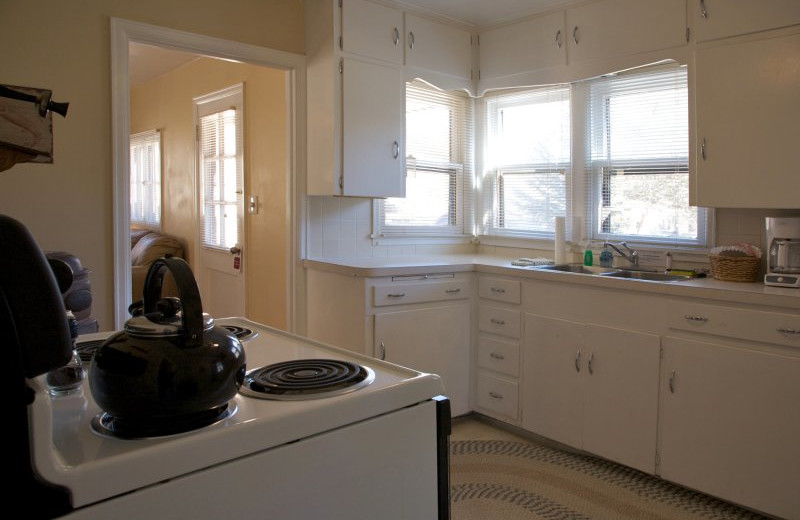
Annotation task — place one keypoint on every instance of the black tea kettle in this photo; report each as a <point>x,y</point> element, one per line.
<point>171,362</point>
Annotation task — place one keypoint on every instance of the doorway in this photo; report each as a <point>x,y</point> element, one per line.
<point>280,311</point>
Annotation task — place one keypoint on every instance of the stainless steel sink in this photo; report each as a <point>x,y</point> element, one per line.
<point>631,274</point>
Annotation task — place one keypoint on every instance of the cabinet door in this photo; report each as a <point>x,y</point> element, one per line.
<point>372,120</point>
<point>552,389</point>
<point>610,28</point>
<point>715,19</point>
<point>730,424</point>
<point>621,401</point>
<point>533,44</point>
<point>434,340</point>
<point>438,47</point>
<point>747,109</point>
<point>372,30</point>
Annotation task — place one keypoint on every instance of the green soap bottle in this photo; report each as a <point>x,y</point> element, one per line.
<point>588,257</point>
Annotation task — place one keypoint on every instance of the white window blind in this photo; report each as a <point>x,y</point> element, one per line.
<point>438,166</point>
<point>145,179</point>
<point>527,162</point>
<point>221,171</point>
<point>638,159</point>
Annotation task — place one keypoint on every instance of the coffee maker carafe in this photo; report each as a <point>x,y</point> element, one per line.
<point>783,245</point>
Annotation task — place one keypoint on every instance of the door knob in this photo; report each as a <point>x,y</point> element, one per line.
<point>235,250</point>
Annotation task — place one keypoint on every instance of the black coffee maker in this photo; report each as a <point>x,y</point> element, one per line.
<point>35,335</point>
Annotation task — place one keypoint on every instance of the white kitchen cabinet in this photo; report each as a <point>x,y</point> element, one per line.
<point>434,339</point>
<point>746,111</point>
<point>531,44</point>
<point>610,28</point>
<point>729,423</point>
<point>434,49</point>
<point>356,100</point>
<point>714,19</point>
<point>592,387</point>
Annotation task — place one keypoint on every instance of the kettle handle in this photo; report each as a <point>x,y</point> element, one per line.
<point>192,316</point>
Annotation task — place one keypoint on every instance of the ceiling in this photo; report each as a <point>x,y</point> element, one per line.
<point>147,62</point>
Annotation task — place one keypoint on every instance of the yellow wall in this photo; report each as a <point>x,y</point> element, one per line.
<point>165,103</point>
<point>64,46</point>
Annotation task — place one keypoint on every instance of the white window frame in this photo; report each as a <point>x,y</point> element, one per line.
<point>459,166</point>
<point>145,179</point>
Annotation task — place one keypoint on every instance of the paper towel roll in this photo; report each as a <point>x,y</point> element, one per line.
<point>560,246</point>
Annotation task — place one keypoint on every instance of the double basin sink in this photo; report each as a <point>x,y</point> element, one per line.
<point>611,272</point>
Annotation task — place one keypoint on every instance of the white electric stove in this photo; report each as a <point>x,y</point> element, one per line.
<point>375,449</point>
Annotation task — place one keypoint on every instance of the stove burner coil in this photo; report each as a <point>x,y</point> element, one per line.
<point>86,349</point>
<point>305,379</point>
<point>241,333</point>
<point>121,428</point>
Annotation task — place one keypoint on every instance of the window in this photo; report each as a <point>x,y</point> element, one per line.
<point>221,160</point>
<point>145,177</point>
<point>438,167</point>
<point>527,161</point>
<point>638,159</point>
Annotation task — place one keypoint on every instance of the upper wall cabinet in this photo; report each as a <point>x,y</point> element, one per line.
<point>713,19</point>
<point>433,49</point>
<point>355,99</point>
<point>747,105</point>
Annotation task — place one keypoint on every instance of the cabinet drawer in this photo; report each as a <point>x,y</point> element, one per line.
<point>499,320</point>
<point>420,292</point>
<point>497,395</point>
<point>499,289</point>
<point>499,355</point>
<point>746,324</point>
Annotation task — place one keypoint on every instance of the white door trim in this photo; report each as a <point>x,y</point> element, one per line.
<point>123,32</point>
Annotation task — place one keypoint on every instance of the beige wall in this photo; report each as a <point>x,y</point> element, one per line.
<point>165,103</point>
<point>64,46</point>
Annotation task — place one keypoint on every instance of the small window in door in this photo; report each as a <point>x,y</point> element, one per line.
<point>145,177</point>
<point>220,164</point>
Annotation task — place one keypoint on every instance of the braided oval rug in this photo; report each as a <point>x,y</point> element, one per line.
<point>516,479</point>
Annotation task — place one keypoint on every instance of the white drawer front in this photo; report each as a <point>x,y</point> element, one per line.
<point>498,320</point>
<point>746,324</point>
<point>499,289</point>
<point>420,292</point>
<point>497,395</point>
<point>499,355</point>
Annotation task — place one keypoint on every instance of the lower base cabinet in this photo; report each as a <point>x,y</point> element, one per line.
<point>730,424</point>
<point>592,387</point>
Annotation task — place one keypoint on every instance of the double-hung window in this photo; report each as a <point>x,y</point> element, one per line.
<point>638,160</point>
<point>145,179</point>
<point>438,167</point>
<point>527,162</point>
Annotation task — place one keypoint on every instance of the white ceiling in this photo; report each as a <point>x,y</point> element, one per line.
<point>147,62</point>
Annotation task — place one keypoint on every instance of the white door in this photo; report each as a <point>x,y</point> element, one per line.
<point>220,270</point>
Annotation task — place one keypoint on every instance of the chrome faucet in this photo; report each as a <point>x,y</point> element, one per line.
<point>631,256</point>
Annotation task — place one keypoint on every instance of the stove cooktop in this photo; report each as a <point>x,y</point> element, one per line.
<point>68,452</point>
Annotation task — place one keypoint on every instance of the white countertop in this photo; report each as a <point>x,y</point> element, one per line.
<point>755,293</point>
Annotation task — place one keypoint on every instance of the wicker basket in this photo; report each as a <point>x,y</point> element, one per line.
<point>735,268</point>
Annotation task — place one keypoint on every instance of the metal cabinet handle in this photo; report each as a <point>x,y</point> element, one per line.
<point>382,353</point>
<point>793,332</point>
<point>695,318</point>
<point>703,149</point>
<point>589,363</point>
<point>395,149</point>
<point>575,34</point>
<point>495,395</point>
<point>672,382</point>
<point>453,291</point>
<point>498,290</point>
<point>410,39</point>
<point>495,355</point>
<point>703,11</point>
<point>396,295</point>
<point>396,36</point>
<point>578,362</point>
<point>558,39</point>
<point>496,321</point>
